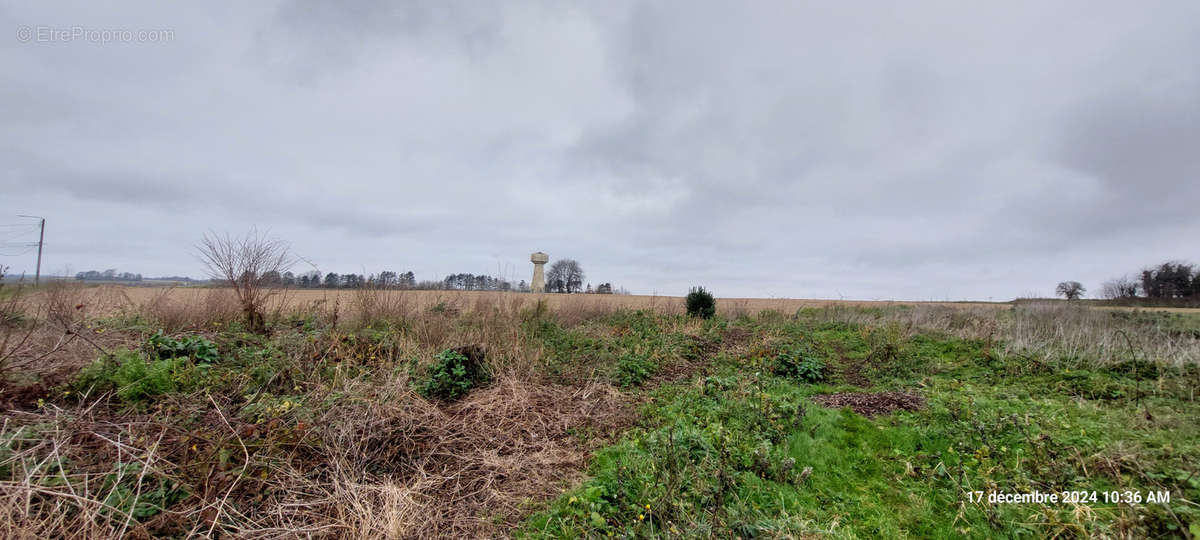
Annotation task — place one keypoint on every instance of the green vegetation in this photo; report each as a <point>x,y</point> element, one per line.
<point>452,375</point>
<point>633,369</point>
<point>134,378</point>
<point>197,348</point>
<point>746,452</point>
<point>801,363</point>
<point>130,493</point>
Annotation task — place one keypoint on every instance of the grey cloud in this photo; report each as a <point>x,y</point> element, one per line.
<point>1141,149</point>
<point>769,148</point>
<point>214,196</point>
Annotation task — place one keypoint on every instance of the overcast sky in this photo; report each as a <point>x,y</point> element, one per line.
<point>869,150</point>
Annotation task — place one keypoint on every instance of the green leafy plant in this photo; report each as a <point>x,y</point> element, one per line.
<point>799,362</point>
<point>126,497</point>
<point>634,369</point>
<point>163,347</point>
<point>453,374</point>
<point>700,303</point>
<point>134,378</point>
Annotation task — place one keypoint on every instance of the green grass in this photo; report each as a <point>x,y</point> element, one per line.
<point>726,455</point>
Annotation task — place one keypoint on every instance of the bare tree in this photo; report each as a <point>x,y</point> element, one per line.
<point>1071,290</point>
<point>249,265</point>
<point>565,275</point>
<point>1122,287</point>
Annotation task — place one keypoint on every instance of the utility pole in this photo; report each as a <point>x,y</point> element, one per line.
<point>41,239</point>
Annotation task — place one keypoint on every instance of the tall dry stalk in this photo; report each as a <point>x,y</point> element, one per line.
<point>1072,335</point>
<point>371,303</point>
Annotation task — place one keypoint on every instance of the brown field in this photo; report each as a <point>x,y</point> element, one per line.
<point>302,298</point>
<point>120,296</point>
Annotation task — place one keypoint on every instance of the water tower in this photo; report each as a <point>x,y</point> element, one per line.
<point>539,259</point>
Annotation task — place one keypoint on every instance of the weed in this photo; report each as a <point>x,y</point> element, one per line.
<point>633,369</point>
<point>452,375</point>
<point>127,498</point>
<point>135,379</point>
<point>201,350</point>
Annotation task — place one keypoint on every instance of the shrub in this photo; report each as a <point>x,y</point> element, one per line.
<point>164,347</point>
<point>801,363</point>
<point>247,265</point>
<point>700,303</point>
<point>454,373</point>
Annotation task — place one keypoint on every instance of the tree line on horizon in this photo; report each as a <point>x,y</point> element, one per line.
<point>1171,281</point>
<point>111,274</point>
<point>562,278</point>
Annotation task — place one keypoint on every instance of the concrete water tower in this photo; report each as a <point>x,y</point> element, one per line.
<point>539,259</point>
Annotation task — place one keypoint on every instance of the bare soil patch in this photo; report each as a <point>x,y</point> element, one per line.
<point>872,404</point>
<point>733,337</point>
<point>852,372</point>
<point>851,369</point>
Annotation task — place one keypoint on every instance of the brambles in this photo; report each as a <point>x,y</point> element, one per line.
<point>454,373</point>
<point>700,303</point>
<point>799,362</point>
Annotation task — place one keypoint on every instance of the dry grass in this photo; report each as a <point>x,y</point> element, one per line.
<point>406,468</point>
<point>175,312</point>
<point>386,464</point>
<point>555,302</point>
<point>1068,334</point>
<point>48,334</point>
<point>1083,337</point>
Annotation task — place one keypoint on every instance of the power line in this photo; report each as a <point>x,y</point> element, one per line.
<point>4,237</point>
<point>27,250</point>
